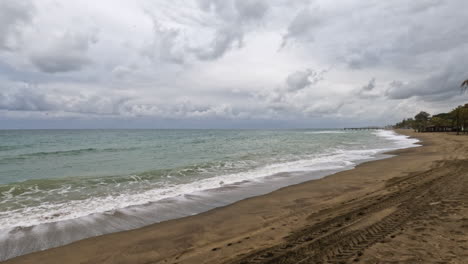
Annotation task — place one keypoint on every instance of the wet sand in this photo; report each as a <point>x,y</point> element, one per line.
<point>411,208</point>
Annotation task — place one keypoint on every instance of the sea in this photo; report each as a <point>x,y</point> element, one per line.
<point>59,186</point>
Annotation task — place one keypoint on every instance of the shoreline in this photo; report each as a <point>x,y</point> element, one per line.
<point>237,230</point>
<point>19,241</point>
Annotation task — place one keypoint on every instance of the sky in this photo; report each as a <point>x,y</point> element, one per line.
<point>229,63</point>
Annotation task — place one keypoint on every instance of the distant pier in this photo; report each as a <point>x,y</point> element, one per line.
<point>362,128</point>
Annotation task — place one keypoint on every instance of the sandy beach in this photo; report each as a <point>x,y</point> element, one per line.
<point>411,208</point>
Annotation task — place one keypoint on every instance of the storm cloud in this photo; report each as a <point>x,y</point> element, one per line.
<point>14,15</point>
<point>67,52</point>
<point>302,79</point>
<point>308,62</point>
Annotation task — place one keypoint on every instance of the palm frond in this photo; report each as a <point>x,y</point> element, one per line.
<point>464,85</point>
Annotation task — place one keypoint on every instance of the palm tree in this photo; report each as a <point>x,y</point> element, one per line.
<point>464,85</point>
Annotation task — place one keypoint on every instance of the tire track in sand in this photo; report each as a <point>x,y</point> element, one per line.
<point>343,238</point>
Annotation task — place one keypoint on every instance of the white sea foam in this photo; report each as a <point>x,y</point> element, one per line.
<point>401,141</point>
<point>53,223</point>
<point>333,159</point>
<point>52,212</point>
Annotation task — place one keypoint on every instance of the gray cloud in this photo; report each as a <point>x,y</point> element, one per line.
<point>362,58</point>
<point>325,108</point>
<point>286,100</point>
<point>364,40</point>
<point>215,59</point>
<point>121,72</point>
<point>167,44</point>
<point>28,97</point>
<point>301,79</point>
<point>25,99</point>
<point>424,5</point>
<point>240,10</point>
<point>65,53</point>
<point>51,63</point>
<point>439,86</point>
<point>14,15</point>
<point>230,21</point>
<point>225,39</point>
<point>370,86</point>
<point>235,19</point>
<point>303,26</point>
<point>251,10</point>
<point>369,91</point>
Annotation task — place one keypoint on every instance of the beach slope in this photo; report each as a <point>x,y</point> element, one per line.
<point>411,208</point>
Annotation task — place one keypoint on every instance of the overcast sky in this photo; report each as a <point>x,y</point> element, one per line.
<point>228,63</point>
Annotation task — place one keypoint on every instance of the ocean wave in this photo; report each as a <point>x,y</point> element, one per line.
<point>49,200</point>
<point>13,147</point>
<point>119,194</point>
<point>60,152</point>
<point>325,132</point>
<point>400,141</point>
<point>7,148</point>
<point>73,152</point>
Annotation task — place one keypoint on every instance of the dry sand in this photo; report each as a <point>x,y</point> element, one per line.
<point>411,208</point>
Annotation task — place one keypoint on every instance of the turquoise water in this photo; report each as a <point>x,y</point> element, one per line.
<point>54,175</point>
